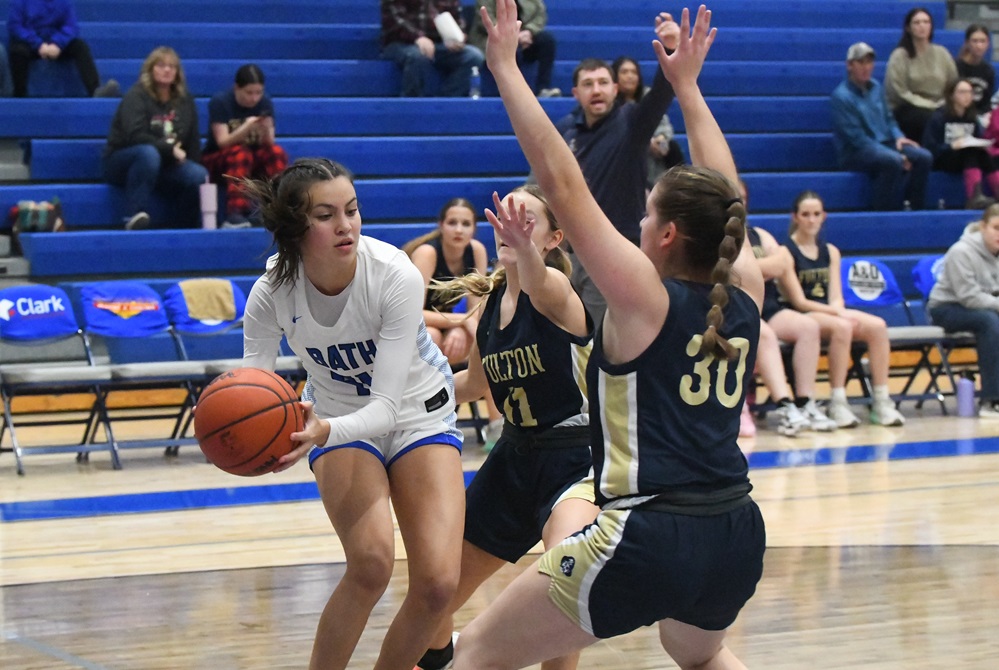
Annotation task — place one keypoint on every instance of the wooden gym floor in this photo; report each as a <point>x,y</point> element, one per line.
<point>883,552</point>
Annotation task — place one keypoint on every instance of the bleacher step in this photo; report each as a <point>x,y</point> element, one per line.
<point>12,167</point>
<point>15,266</point>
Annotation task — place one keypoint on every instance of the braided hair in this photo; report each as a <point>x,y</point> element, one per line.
<point>709,215</point>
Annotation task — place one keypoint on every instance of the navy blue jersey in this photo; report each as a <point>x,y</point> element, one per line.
<point>667,421</point>
<point>771,300</point>
<point>813,275</point>
<point>536,370</point>
<point>443,273</point>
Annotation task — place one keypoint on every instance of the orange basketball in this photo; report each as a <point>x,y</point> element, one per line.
<point>244,421</point>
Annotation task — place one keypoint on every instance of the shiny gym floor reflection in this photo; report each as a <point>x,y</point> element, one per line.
<point>882,553</point>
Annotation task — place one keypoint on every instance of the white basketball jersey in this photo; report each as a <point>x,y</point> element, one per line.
<point>351,364</point>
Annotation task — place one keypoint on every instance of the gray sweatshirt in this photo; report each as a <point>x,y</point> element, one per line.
<point>970,274</point>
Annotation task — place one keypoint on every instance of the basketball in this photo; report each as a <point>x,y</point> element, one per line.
<point>244,421</point>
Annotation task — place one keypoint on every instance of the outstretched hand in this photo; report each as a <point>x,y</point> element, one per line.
<point>511,224</point>
<point>504,34</point>
<point>684,64</point>
<point>667,30</point>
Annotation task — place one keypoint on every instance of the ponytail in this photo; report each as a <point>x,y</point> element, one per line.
<point>721,276</point>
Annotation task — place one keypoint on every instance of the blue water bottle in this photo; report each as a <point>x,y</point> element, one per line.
<point>966,395</point>
<point>475,84</point>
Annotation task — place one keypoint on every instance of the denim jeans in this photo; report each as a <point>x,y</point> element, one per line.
<point>454,68</point>
<point>984,323</point>
<point>140,170</point>
<point>885,165</point>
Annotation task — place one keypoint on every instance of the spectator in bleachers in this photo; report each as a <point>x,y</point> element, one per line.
<point>241,141</point>
<point>966,298</point>
<point>48,29</point>
<point>537,45</point>
<point>918,72</point>
<point>610,142</point>
<point>6,88</point>
<point>868,139</point>
<point>664,150</point>
<point>954,136</point>
<point>450,251</point>
<point>154,143</point>
<point>410,38</point>
<point>819,294</point>
<point>973,64</point>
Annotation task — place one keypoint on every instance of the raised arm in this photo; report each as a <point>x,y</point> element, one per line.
<point>708,147</point>
<point>549,289</point>
<point>618,268</point>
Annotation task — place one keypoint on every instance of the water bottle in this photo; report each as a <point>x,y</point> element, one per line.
<point>966,395</point>
<point>209,205</point>
<point>907,206</point>
<point>475,84</point>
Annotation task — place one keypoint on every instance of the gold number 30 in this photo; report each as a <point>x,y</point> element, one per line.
<point>702,373</point>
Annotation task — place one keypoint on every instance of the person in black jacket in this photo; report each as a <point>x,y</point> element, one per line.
<point>610,142</point>
<point>154,144</point>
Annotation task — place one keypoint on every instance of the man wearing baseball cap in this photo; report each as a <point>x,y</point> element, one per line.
<point>868,139</point>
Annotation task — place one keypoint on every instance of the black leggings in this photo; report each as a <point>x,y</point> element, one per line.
<point>21,55</point>
<point>959,160</point>
<point>912,120</point>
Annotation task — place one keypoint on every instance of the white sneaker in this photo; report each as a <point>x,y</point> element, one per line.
<point>790,420</point>
<point>816,419</point>
<point>841,414</point>
<point>883,413</point>
<point>989,410</point>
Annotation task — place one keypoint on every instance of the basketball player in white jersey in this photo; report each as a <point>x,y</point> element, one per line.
<point>379,406</point>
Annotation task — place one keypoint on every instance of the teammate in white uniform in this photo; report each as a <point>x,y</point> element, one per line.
<point>379,406</point>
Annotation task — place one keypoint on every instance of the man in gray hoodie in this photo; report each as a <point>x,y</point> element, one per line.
<point>966,298</point>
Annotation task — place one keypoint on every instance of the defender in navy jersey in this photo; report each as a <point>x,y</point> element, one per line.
<point>379,417</point>
<point>819,294</point>
<point>531,349</point>
<point>678,541</point>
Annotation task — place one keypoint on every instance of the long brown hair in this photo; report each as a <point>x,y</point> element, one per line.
<point>284,205</point>
<point>415,243</point>
<point>480,286</point>
<point>711,219</point>
<point>178,89</point>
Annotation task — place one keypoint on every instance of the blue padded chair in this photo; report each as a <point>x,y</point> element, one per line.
<point>128,319</point>
<point>45,352</point>
<point>207,314</point>
<point>869,285</point>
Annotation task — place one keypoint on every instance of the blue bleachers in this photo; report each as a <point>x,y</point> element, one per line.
<point>190,252</point>
<point>73,160</point>
<point>379,117</point>
<point>767,80</point>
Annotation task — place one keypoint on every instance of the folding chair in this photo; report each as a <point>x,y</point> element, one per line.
<point>207,314</point>
<point>870,285</point>
<point>129,321</point>
<point>44,352</point>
